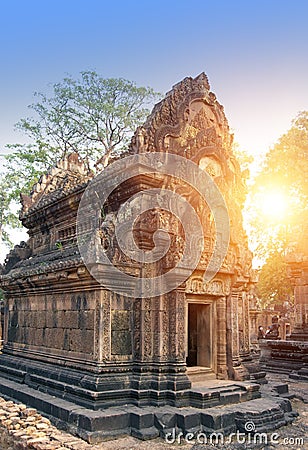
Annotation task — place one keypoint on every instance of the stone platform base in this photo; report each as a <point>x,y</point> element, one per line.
<point>300,375</point>
<point>149,422</point>
<point>107,390</point>
<point>284,356</point>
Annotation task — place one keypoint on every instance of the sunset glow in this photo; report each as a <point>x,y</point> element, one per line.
<point>274,205</point>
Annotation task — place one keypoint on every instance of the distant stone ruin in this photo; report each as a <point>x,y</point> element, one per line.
<point>290,355</point>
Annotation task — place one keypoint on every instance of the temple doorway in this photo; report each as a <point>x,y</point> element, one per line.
<point>199,335</point>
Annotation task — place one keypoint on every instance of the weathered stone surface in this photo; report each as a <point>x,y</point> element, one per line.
<point>144,423</point>
<point>89,345</point>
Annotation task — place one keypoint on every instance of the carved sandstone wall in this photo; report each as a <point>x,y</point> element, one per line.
<point>96,346</point>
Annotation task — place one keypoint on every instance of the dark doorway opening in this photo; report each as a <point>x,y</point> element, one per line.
<point>199,335</point>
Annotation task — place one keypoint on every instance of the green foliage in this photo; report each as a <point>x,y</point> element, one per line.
<point>24,167</point>
<point>244,159</point>
<point>7,217</point>
<point>284,170</point>
<point>91,115</point>
<point>286,164</point>
<point>59,246</point>
<point>274,286</point>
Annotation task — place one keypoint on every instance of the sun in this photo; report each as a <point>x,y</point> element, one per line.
<point>274,205</point>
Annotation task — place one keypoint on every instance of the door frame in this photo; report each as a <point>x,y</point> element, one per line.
<point>209,301</point>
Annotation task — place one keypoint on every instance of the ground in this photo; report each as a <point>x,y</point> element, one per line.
<point>294,436</point>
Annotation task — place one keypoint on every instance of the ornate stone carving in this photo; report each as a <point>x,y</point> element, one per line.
<point>196,285</point>
<point>189,122</point>
<point>67,173</point>
<point>139,141</point>
<point>188,119</point>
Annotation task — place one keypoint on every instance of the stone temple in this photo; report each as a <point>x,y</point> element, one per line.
<point>103,361</point>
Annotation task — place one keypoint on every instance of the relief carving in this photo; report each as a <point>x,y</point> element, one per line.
<point>196,285</point>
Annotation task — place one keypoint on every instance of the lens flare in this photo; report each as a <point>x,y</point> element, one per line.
<point>274,205</point>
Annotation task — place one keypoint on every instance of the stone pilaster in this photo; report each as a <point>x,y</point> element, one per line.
<point>235,369</point>
<point>244,327</point>
<point>221,309</point>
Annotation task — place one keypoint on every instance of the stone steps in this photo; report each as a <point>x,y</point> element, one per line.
<point>205,396</point>
<point>200,374</point>
<point>149,422</point>
<point>301,375</point>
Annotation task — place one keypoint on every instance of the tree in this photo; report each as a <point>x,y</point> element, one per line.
<point>284,173</point>
<point>243,158</point>
<point>274,286</point>
<point>91,115</point>
<point>7,217</point>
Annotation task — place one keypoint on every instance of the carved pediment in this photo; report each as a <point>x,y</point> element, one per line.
<point>187,119</point>
<point>68,172</point>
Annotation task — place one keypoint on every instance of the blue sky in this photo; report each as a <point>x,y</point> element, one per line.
<point>254,52</point>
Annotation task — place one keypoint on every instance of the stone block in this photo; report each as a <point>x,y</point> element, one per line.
<point>51,319</point>
<point>39,340</point>
<point>58,338</point>
<point>211,419</point>
<point>101,420</point>
<point>48,337</point>
<point>87,338</point>
<point>40,319</point>
<point>142,419</point>
<point>65,303</point>
<point>71,319</point>
<point>12,334</point>
<point>61,319</point>
<point>32,304</point>
<point>25,331</point>
<point>145,433</point>
<point>81,341</point>
<point>14,319</point>
<point>229,397</point>
<point>26,315</point>
<point>165,420</point>
<point>60,409</point>
<point>281,388</point>
<point>86,320</point>
<point>120,303</point>
<point>121,343</point>
<point>75,341</point>
<point>120,320</point>
<point>285,404</point>
<point>33,319</point>
<point>187,419</point>
<point>41,304</point>
<point>20,334</point>
<point>66,339</point>
<point>79,302</point>
<point>21,318</point>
